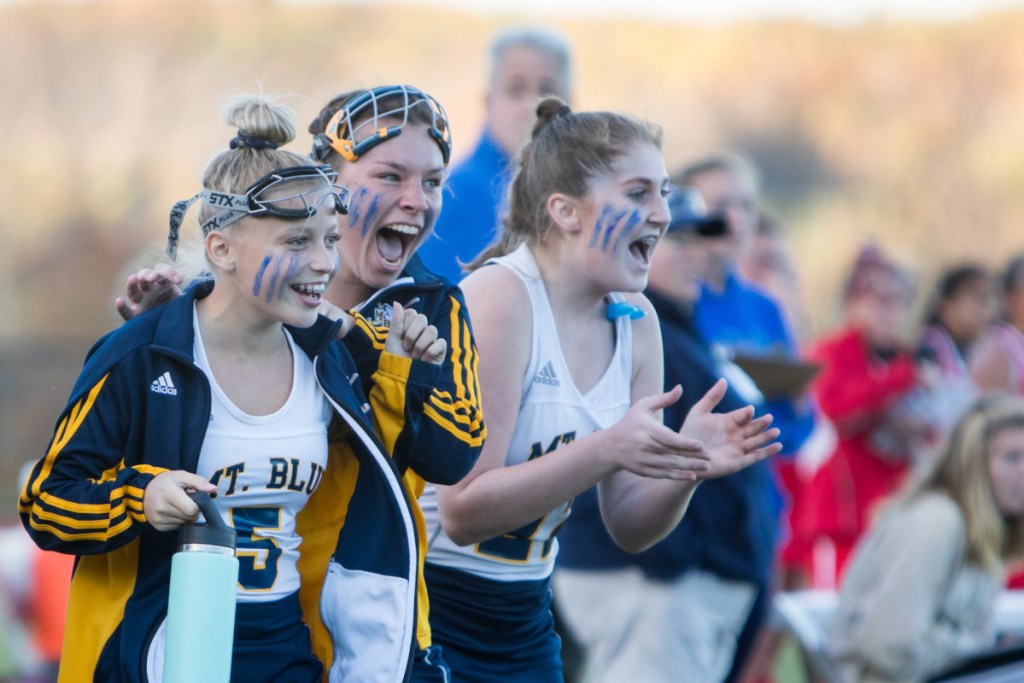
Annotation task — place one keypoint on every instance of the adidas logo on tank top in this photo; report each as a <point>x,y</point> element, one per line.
<point>547,376</point>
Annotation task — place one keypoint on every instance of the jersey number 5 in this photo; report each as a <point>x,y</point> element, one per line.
<point>257,555</point>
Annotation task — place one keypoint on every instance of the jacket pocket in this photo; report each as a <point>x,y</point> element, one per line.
<point>370,621</point>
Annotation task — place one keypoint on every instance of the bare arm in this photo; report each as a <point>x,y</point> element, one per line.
<point>639,511</point>
<point>494,498</point>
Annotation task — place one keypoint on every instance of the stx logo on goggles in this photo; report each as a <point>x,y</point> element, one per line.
<point>316,186</point>
<point>226,200</point>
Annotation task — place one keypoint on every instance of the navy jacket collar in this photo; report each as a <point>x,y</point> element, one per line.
<point>174,330</point>
<point>419,272</point>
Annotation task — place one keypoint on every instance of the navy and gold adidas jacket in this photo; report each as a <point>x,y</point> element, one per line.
<point>436,438</point>
<point>85,496</point>
<point>439,437</point>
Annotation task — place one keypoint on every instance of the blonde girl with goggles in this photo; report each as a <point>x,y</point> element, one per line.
<point>390,147</point>
<point>238,388</point>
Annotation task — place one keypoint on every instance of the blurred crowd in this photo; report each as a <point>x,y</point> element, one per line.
<point>861,408</point>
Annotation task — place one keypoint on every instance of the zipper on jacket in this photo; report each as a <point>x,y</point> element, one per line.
<point>379,454</point>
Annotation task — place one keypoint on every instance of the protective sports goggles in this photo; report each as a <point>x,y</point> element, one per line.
<point>268,196</point>
<point>371,107</point>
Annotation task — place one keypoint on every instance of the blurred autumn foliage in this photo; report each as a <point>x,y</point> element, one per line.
<point>909,134</point>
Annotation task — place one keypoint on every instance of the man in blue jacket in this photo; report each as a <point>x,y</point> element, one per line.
<point>526,65</point>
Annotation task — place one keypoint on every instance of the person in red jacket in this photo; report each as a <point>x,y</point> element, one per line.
<point>867,388</point>
<point>46,606</point>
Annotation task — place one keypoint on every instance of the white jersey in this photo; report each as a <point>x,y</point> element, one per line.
<point>552,413</point>
<point>265,468</point>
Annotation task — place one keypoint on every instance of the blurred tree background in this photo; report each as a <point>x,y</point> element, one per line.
<point>910,134</point>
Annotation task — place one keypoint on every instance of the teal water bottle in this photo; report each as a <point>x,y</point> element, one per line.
<point>201,604</point>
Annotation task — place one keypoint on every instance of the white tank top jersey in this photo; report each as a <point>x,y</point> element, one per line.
<point>552,413</point>
<point>265,468</point>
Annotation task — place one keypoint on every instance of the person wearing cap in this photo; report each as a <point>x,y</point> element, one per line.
<point>742,319</point>
<point>677,608</point>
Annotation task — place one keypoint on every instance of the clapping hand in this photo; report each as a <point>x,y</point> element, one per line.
<point>642,444</point>
<point>732,440</point>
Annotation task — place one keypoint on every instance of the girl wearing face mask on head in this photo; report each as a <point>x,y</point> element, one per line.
<point>236,388</point>
<point>395,179</point>
<point>391,146</point>
<point>571,376</point>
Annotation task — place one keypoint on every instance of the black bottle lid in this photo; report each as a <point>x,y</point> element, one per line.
<point>214,532</point>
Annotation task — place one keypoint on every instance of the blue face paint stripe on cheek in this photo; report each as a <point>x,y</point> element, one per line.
<point>629,228</point>
<point>293,267</point>
<point>611,229</point>
<point>356,207</point>
<point>371,213</point>
<point>257,283</point>
<point>274,278</point>
<point>605,213</point>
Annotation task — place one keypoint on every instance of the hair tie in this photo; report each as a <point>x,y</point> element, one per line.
<point>245,140</point>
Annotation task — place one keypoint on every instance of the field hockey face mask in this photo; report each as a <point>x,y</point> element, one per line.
<point>293,192</point>
<point>361,123</point>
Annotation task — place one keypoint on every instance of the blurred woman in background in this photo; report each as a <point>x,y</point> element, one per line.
<point>963,307</point>
<point>961,310</point>
<point>921,588</point>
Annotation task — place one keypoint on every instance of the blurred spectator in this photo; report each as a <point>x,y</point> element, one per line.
<point>17,657</point>
<point>719,557</point>
<point>998,363</point>
<point>34,586</point>
<point>770,265</point>
<point>740,319</point>
<point>45,603</point>
<point>866,386</point>
<point>526,64</point>
<point>46,607</point>
<point>921,588</point>
<point>962,308</point>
